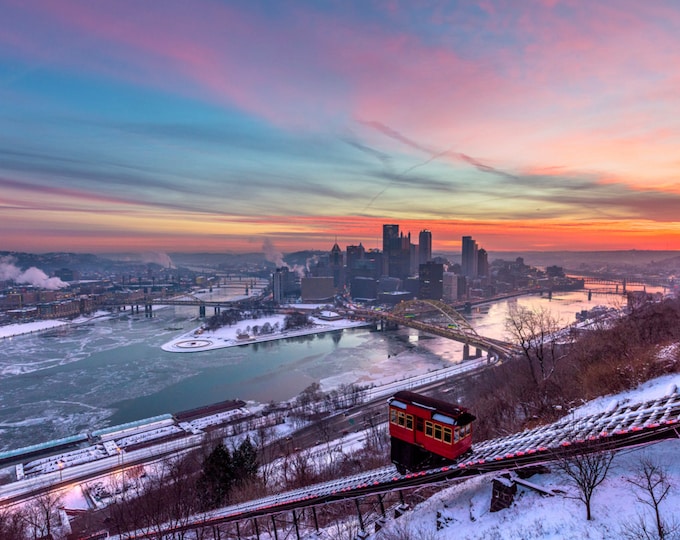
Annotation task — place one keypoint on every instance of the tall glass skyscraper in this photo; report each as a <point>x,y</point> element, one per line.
<point>469,257</point>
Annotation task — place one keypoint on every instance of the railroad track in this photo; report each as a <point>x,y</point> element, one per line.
<point>618,427</point>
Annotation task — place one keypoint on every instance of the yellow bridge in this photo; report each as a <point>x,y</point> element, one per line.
<point>454,327</point>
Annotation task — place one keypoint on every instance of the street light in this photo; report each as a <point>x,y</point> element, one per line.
<point>60,464</point>
<point>121,456</point>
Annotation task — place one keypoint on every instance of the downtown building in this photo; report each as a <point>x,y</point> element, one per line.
<point>424,246</point>
<point>469,257</point>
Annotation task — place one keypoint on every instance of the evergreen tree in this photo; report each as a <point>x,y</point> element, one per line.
<point>217,477</point>
<point>245,461</point>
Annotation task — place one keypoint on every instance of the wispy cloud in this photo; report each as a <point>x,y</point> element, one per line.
<point>238,113</point>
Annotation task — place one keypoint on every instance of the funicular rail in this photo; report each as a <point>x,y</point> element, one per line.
<point>619,427</point>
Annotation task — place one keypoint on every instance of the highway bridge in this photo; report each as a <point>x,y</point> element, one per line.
<point>451,324</point>
<point>625,426</point>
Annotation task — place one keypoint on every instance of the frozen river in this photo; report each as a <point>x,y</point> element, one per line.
<point>75,379</point>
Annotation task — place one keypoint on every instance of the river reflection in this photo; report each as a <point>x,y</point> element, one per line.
<point>77,379</point>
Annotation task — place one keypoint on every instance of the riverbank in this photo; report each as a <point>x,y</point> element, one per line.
<point>19,329</point>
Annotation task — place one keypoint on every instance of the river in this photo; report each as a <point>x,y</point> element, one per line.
<point>79,378</point>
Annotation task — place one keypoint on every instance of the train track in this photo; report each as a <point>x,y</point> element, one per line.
<point>619,427</point>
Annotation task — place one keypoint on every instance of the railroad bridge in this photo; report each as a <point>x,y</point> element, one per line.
<point>188,299</point>
<point>449,324</point>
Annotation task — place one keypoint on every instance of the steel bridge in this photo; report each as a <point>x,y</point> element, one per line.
<point>626,426</point>
<point>186,299</point>
<point>456,327</point>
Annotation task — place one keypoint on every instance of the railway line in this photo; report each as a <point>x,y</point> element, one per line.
<point>618,427</point>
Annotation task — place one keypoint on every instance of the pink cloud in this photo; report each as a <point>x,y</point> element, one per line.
<point>549,82</point>
<point>46,197</point>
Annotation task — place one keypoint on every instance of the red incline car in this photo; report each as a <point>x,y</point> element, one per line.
<point>427,432</point>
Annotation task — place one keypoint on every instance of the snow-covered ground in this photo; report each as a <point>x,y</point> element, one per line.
<point>17,329</point>
<point>228,336</point>
<point>462,511</point>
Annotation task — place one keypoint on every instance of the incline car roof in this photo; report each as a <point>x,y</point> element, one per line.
<point>441,406</point>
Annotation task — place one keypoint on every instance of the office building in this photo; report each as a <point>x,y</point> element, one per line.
<point>431,280</point>
<point>469,258</point>
<point>317,289</point>
<point>390,236</point>
<point>482,263</point>
<point>398,253</point>
<point>424,246</point>
<point>285,285</point>
<point>450,287</point>
<point>337,267</point>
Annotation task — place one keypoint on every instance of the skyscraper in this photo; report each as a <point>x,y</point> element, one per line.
<point>469,257</point>
<point>337,267</point>
<point>431,276</point>
<point>390,237</point>
<point>424,246</point>
<point>397,253</point>
<point>482,263</point>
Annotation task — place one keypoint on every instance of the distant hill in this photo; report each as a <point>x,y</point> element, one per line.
<point>49,262</point>
<point>574,260</point>
<point>593,261</point>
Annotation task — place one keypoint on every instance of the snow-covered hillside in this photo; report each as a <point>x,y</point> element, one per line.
<point>462,511</point>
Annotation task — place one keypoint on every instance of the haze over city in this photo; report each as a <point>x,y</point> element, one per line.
<point>217,126</point>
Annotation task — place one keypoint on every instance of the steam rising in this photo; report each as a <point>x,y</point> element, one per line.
<point>272,254</point>
<point>33,276</point>
<point>158,257</point>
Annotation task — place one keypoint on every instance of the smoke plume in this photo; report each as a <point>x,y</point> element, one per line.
<point>158,257</point>
<point>272,254</point>
<point>33,276</point>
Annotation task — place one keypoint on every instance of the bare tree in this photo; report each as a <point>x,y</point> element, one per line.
<point>324,431</point>
<point>40,514</point>
<point>535,331</point>
<point>168,499</point>
<point>301,468</point>
<point>376,430</point>
<point>12,524</point>
<point>266,451</point>
<point>587,470</point>
<point>653,487</point>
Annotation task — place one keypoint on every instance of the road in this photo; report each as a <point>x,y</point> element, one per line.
<point>370,413</point>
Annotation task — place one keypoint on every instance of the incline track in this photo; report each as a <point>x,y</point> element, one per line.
<point>619,427</point>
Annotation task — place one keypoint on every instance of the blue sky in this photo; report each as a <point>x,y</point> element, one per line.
<point>217,125</point>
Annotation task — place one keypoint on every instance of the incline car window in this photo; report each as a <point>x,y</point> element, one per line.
<point>438,432</point>
<point>401,419</point>
<point>447,435</point>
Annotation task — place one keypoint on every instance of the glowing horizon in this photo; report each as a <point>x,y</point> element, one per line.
<point>215,126</point>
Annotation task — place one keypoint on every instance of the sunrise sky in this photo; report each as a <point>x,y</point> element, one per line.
<point>219,125</point>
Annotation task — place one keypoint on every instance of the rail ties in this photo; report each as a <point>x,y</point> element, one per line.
<point>628,425</point>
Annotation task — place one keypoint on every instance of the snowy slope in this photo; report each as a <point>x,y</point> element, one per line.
<point>464,508</point>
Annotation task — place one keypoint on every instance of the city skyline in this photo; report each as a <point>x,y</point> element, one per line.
<point>228,126</point>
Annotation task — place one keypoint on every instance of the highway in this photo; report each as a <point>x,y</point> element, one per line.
<point>333,427</point>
